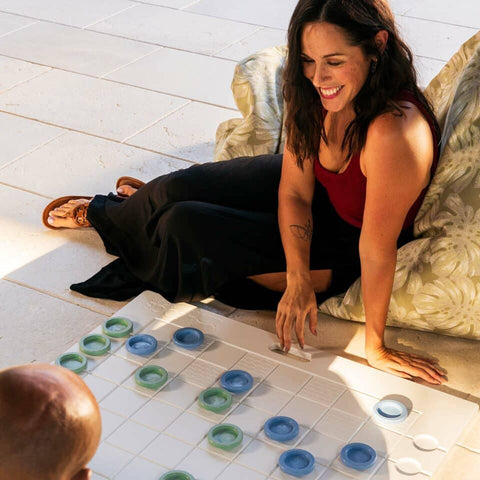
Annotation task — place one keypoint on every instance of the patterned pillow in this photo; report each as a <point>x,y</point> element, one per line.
<point>256,88</point>
<point>437,279</point>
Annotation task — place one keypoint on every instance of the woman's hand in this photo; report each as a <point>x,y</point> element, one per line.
<point>405,365</point>
<point>297,302</point>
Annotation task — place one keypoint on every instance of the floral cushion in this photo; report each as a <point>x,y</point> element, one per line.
<point>437,279</point>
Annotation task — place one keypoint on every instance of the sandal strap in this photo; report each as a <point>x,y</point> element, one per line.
<point>79,215</point>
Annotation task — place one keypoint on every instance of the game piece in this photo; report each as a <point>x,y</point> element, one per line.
<point>117,327</point>
<point>297,462</point>
<point>189,338</point>
<point>359,456</point>
<point>151,376</point>
<point>390,411</point>
<point>225,436</point>
<point>236,381</point>
<point>95,344</point>
<point>141,344</point>
<point>281,429</point>
<point>76,362</point>
<point>215,399</point>
<point>176,475</point>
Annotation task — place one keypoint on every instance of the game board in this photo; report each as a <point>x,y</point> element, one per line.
<point>146,433</point>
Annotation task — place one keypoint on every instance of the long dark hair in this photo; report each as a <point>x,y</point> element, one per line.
<point>360,20</point>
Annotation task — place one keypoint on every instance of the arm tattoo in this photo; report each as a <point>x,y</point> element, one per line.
<point>305,232</point>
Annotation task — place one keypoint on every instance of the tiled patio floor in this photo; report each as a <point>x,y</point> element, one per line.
<point>94,89</point>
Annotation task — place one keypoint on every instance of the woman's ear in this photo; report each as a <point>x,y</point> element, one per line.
<point>381,39</point>
<point>83,474</point>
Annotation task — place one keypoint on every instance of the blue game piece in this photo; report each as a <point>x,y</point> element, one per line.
<point>297,462</point>
<point>281,429</point>
<point>236,381</point>
<point>189,338</point>
<point>390,411</point>
<point>359,456</point>
<point>141,344</point>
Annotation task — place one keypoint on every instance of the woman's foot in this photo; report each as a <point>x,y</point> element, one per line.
<point>126,190</point>
<point>72,214</point>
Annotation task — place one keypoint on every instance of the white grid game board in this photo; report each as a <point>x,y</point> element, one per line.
<point>147,433</point>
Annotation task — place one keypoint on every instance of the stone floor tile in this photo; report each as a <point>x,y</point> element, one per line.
<point>68,12</point>
<point>73,262</point>
<point>19,136</point>
<point>464,12</point>
<point>10,23</point>
<point>186,74</point>
<point>17,71</point>
<point>87,104</point>
<point>427,69</point>
<point>266,13</point>
<point>432,39</point>
<point>263,38</point>
<point>36,327</point>
<point>187,133</point>
<point>460,464</point>
<point>78,51</point>
<point>87,166</point>
<point>23,237</point>
<point>175,28</point>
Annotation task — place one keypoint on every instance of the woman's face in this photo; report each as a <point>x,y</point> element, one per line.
<point>336,69</point>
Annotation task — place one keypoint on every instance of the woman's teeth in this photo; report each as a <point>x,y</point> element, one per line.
<point>330,92</point>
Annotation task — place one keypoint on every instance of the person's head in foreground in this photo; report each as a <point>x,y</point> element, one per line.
<point>345,57</point>
<point>49,424</point>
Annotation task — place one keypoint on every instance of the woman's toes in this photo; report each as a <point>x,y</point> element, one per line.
<point>126,190</point>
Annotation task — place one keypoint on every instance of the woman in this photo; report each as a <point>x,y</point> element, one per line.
<point>362,145</point>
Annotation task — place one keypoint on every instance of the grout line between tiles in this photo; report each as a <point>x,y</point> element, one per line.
<point>49,294</point>
<point>108,16</point>
<point>61,134</point>
<point>156,121</point>
<point>472,450</point>
<point>103,77</point>
<point>233,109</point>
<point>25,80</point>
<point>95,136</point>
<point>436,21</point>
<point>15,187</point>
<point>18,29</point>
<point>259,29</point>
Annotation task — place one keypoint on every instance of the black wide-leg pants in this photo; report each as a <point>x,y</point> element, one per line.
<point>202,230</point>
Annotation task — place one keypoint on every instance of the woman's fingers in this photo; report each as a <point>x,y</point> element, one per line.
<point>300,329</point>
<point>419,372</point>
<point>279,319</point>
<point>312,320</point>
<point>399,373</point>
<point>287,332</point>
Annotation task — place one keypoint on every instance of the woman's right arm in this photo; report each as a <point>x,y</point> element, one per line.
<point>295,196</point>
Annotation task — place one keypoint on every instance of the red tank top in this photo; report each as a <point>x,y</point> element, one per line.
<point>347,190</point>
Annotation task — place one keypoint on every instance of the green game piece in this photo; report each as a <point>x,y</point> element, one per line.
<point>95,344</point>
<point>176,475</point>
<point>215,399</point>
<point>76,362</point>
<point>225,436</point>
<point>117,327</point>
<point>151,376</point>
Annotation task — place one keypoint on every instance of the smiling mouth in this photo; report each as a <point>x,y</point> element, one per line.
<point>329,93</point>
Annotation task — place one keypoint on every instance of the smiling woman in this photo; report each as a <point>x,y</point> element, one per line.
<point>287,231</point>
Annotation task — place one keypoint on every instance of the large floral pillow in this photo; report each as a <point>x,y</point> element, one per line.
<point>437,280</point>
<point>257,91</point>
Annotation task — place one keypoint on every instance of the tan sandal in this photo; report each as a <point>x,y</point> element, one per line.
<point>130,181</point>
<point>78,213</point>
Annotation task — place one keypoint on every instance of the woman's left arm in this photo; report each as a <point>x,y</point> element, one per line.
<point>397,164</point>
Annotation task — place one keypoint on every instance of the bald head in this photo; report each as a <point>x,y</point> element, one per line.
<point>49,424</point>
